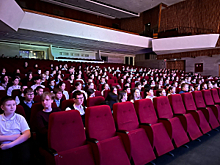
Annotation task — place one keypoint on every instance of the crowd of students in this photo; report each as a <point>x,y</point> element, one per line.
<point>115,84</point>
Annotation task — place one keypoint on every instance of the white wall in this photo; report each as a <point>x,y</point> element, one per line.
<point>11,13</point>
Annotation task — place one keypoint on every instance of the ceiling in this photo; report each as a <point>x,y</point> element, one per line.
<point>113,8</point>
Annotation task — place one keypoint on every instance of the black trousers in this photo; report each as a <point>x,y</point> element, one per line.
<point>18,155</point>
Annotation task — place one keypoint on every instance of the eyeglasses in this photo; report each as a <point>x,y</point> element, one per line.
<point>80,98</point>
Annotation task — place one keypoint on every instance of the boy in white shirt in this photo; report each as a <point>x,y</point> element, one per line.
<point>14,86</point>
<point>14,134</point>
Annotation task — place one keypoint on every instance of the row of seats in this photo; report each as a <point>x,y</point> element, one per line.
<point>134,131</point>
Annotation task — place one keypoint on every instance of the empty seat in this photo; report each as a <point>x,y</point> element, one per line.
<point>210,103</point>
<point>155,130</point>
<point>135,138</point>
<point>107,147</point>
<point>66,137</point>
<point>187,120</point>
<point>215,96</point>
<point>200,103</point>
<point>172,124</point>
<point>92,101</point>
<point>197,114</point>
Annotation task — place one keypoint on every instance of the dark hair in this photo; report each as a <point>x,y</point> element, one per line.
<point>76,93</point>
<point>112,88</point>
<point>28,90</point>
<point>137,84</point>
<point>5,99</point>
<point>61,83</point>
<point>3,81</point>
<point>56,90</point>
<point>37,78</point>
<point>120,95</point>
<point>159,91</point>
<point>77,83</point>
<point>183,85</point>
<point>90,92</point>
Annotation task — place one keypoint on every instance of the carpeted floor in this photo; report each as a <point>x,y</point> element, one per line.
<point>206,152</point>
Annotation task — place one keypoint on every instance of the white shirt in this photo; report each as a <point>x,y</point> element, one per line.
<point>2,88</point>
<point>35,86</point>
<point>11,88</point>
<point>15,125</point>
<point>81,109</point>
<point>150,97</point>
<point>66,94</point>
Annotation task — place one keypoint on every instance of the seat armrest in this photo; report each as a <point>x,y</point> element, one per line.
<point>178,114</point>
<point>123,131</point>
<point>92,140</point>
<point>166,119</point>
<point>145,124</point>
<point>52,151</point>
<point>190,111</point>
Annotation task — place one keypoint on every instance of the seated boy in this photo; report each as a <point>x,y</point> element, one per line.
<point>62,86</point>
<point>37,81</point>
<point>39,91</point>
<point>58,96</point>
<point>28,102</point>
<point>14,133</point>
<point>78,101</point>
<point>15,85</point>
<point>149,93</point>
<point>43,118</point>
<point>184,88</point>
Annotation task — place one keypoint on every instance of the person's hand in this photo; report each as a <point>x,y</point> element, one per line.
<point>5,146</point>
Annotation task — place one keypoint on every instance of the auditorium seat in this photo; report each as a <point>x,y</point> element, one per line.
<point>171,123</point>
<point>67,140</point>
<point>93,101</point>
<point>198,115</point>
<point>215,96</point>
<point>20,110</point>
<point>15,93</point>
<point>107,147</point>
<point>37,99</point>
<point>98,93</point>
<point>155,130</point>
<point>187,120</point>
<point>135,138</point>
<point>66,103</point>
<point>200,103</point>
<point>210,103</point>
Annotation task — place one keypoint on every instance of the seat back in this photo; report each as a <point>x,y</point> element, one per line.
<point>99,122</point>
<point>66,103</point>
<point>162,106</point>
<point>65,127</point>
<point>215,95</point>
<point>37,99</point>
<point>208,97</point>
<point>15,93</point>
<point>125,116</point>
<point>98,93</point>
<point>176,103</point>
<point>93,101</point>
<point>197,95</point>
<point>145,111</point>
<point>188,101</point>
<point>34,110</point>
<point>20,110</point>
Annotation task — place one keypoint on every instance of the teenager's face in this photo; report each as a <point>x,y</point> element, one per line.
<point>40,91</point>
<point>16,81</point>
<point>63,86</point>
<point>79,99</point>
<point>47,102</point>
<point>29,96</point>
<point>9,107</point>
<point>59,95</point>
<point>151,93</point>
<point>137,93</point>
<point>163,93</point>
<point>91,86</point>
<point>6,78</point>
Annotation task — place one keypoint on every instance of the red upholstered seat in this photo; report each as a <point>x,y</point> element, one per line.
<point>215,96</point>
<point>207,95</point>
<point>172,124</point>
<point>187,120</point>
<point>15,93</point>
<point>110,81</point>
<point>200,103</point>
<point>93,101</point>
<point>155,130</point>
<point>107,146</point>
<point>66,136</point>
<point>20,110</point>
<point>37,99</point>
<point>135,138</point>
<point>197,114</point>
<point>98,93</point>
<point>66,103</point>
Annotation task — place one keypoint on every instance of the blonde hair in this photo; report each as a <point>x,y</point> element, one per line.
<point>51,95</point>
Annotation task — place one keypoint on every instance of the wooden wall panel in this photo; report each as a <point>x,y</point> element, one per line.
<point>180,65</point>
